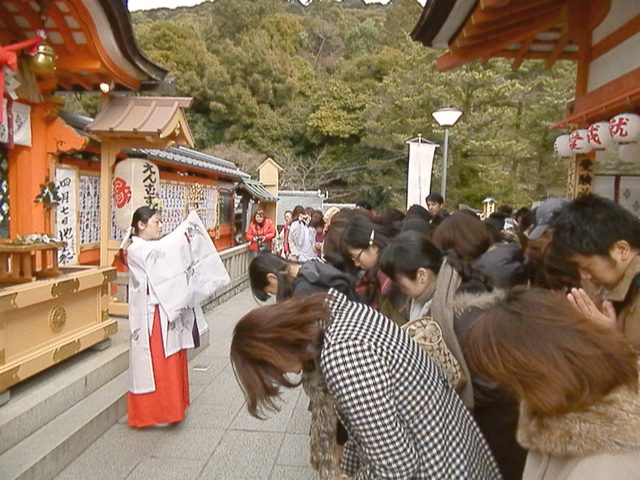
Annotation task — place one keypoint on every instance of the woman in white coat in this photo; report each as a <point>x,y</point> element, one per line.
<point>168,280</point>
<point>302,236</point>
<point>159,391</point>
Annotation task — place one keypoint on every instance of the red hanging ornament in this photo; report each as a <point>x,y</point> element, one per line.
<point>9,59</point>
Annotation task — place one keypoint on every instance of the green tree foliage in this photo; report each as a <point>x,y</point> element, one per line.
<point>332,92</point>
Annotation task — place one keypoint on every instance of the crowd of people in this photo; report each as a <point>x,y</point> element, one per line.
<point>442,345</point>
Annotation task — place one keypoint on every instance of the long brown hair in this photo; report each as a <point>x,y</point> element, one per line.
<point>465,234</point>
<point>551,357</point>
<point>268,338</point>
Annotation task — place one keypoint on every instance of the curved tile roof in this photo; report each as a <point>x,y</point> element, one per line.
<point>186,156</point>
<point>256,190</point>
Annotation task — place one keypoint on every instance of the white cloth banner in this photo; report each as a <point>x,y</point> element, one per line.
<point>67,214</point>
<point>421,155</point>
<point>21,124</point>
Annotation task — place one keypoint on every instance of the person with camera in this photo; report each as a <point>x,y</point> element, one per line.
<point>302,235</point>
<point>260,233</point>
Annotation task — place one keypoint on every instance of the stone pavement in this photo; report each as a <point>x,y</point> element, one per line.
<point>218,439</point>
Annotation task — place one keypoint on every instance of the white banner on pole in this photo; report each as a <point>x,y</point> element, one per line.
<point>421,153</point>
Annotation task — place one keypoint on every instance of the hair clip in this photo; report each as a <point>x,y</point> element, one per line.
<point>371,237</point>
<point>156,204</point>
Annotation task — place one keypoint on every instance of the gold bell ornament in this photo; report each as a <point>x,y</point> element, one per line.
<point>43,62</point>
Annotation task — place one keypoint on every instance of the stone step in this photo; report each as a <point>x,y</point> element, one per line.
<point>46,452</point>
<point>54,417</point>
<point>40,399</point>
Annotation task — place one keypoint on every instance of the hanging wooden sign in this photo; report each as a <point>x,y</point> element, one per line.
<point>67,214</point>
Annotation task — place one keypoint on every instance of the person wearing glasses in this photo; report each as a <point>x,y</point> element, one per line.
<point>363,241</point>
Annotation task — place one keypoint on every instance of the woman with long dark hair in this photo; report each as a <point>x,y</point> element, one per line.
<point>273,275</point>
<point>403,419</point>
<point>169,276</point>
<point>163,398</point>
<point>576,379</point>
<point>453,293</point>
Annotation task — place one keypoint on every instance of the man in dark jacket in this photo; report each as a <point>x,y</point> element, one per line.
<point>435,205</point>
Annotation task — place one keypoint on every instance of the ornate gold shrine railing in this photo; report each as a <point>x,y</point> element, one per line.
<point>47,321</point>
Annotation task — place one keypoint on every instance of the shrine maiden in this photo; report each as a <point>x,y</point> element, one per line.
<point>168,279</point>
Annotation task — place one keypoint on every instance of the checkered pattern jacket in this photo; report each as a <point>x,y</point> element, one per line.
<point>403,419</point>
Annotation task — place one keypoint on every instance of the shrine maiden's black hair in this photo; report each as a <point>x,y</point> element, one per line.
<point>142,214</point>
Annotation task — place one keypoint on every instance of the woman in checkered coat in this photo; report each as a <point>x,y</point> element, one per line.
<point>404,420</point>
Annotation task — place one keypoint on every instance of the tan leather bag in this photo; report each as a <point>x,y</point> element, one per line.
<point>427,333</point>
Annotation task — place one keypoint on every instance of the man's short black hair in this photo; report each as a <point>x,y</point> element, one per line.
<point>590,225</point>
<point>435,197</point>
<point>496,220</point>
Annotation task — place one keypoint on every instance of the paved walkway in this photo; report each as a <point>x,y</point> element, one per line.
<point>218,439</point>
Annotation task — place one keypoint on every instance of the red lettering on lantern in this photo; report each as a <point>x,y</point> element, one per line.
<point>617,127</point>
<point>573,140</point>
<point>121,192</point>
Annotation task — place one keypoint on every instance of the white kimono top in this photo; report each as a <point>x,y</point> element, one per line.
<point>177,273</point>
<point>303,237</point>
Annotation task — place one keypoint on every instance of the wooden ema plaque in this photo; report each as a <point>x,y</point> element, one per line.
<point>25,263</point>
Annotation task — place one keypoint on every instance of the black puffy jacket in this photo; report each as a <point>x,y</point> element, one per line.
<point>316,276</point>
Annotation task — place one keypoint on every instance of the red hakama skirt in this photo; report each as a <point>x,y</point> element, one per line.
<point>169,402</point>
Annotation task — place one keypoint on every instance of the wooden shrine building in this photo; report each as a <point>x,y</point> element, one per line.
<point>48,311</point>
<point>602,36</point>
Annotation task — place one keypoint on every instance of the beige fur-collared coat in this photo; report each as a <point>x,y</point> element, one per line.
<point>602,443</point>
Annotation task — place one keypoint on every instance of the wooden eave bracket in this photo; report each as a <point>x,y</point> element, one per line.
<point>63,138</point>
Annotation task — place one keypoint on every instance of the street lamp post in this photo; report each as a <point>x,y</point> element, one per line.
<point>446,118</point>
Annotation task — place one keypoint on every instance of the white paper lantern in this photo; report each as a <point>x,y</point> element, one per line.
<point>136,182</point>
<point>578,141</point>
<point>630,153</point>
<point>562,148</point>
<point>598,136</point>
<point>625,128</point>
